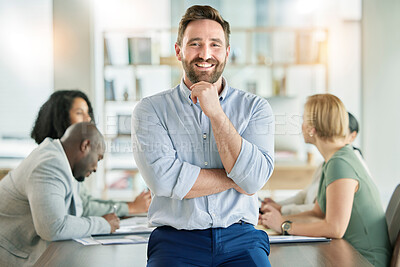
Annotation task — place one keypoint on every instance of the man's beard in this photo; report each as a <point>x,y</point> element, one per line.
<point>80,178</point>
<point>197,76</point>
<point>78,175</point>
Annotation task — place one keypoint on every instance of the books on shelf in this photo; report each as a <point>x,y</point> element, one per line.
<point>139,49</point>
<point>122,50</point>
<point>109,92</point>
<point>116,51</point>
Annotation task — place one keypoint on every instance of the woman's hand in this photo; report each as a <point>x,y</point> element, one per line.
<point>140,204</point>
<point>271,218</point>
<point>269,201</point>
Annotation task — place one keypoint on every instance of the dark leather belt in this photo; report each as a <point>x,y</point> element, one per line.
<point>242,222</point>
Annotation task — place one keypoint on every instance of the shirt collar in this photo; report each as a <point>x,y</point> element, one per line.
<point>186,92</point>
<point>225,89</point>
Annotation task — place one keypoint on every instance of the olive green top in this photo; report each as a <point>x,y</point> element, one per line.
<point>367,229</point>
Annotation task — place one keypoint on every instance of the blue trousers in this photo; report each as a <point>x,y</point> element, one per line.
<point>238,245</point>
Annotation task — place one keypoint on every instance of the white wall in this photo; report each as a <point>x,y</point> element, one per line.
<point>381,92</point>
<point>26,63</point>
<point>73,51</point>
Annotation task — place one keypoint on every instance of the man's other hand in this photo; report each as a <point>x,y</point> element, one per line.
<point>113,220</point>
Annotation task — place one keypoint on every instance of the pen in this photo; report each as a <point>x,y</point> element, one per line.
<point>262,201</point>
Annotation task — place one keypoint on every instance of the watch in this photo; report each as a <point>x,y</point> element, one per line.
<point>286,226</point>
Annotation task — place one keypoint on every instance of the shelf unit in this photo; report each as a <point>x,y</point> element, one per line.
<point>139,63</point>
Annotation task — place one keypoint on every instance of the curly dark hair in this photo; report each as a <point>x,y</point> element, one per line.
<point>53,117</point>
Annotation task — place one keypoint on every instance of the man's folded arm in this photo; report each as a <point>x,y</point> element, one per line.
<point>212,181</point>
<point>165,174</point>
<point>255,162</point>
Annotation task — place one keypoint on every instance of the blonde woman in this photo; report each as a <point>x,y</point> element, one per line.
<point>348,204</point>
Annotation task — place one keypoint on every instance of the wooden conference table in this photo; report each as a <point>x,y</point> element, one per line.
<point>70,253</point>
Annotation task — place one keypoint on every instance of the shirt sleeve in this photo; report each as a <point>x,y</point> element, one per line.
<point>99,207</point>
<point>296,208</point>
<point>164,173</point>
<point>255,163</point>
<point>47,192</point>
<point>338,168</point>
<point>306,196</point>
<point>297,199</point>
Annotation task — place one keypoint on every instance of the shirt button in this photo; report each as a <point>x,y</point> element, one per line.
<point>204,136</point>
<point>206,163</point>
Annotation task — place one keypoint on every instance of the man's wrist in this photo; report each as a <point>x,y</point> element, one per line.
<point>218,117</point>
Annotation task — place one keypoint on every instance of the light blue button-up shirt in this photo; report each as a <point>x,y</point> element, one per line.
<point>173,139</point>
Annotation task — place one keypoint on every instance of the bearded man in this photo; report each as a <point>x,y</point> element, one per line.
<point>204,149</point>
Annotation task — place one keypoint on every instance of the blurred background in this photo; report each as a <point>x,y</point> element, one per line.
<point>120,51</point>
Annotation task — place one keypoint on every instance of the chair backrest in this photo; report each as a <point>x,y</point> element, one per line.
<point>393,215</point>
<point>395,262</point>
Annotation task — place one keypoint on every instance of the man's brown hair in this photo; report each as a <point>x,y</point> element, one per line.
<point>197,12</point>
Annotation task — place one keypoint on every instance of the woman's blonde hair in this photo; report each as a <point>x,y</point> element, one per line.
<point>328,115</point>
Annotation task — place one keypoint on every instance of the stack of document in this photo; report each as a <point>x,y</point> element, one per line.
<point>134,225</point>
<point>129,239</point>
<point>130,230</point>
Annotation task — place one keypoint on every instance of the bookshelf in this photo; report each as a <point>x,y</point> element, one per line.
<point>142,62</point>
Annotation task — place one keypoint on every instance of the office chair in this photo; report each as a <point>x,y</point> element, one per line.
<point>395,262</point>
<point>393,222</point>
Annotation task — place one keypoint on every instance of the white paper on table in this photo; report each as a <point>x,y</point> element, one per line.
<point>134,225</point>
<point>275,239</point>
<point>115,241</point>
<point>132,221</point>
<point>138,239</point>
<point>129,239</point>
<point>87,241</point>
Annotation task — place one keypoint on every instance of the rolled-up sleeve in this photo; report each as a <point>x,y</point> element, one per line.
<point>255,163</point>
<point>164,173</point>
<point>99,207</point>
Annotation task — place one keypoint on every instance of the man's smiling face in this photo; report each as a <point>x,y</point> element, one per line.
<point>203,51</point>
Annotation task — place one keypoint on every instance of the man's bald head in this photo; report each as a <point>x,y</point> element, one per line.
<point>84,146</point>
<point>78,132</point>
